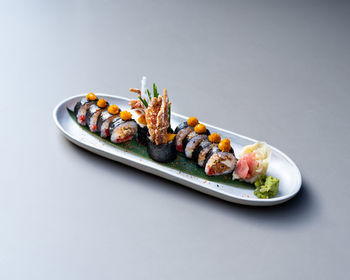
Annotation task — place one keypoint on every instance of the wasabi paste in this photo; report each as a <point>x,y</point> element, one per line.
<point>266,186</point>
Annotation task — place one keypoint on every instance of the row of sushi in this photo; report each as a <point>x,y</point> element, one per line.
<point>107,120</point>
<point>217,156</point>
<point>207,150</point>
<point>192,138</point>
<point>149,120</point>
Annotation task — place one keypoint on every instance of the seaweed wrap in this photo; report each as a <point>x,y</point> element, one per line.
<point>82,106</point>
<point>220,163</point>
<point>160,144</point>
<point>162,152</point>
<point>181,134</point>
<point>142,130</point>
<point>122,128</point>
<point>105,119</point>
<point>201,151</point>
<point>189,135</point>
<point>153,113</point>
<point>93,114</point>
<point>220,160</point>
<point>142,134</point>
<point>181,126</point>
<point>192,144</point>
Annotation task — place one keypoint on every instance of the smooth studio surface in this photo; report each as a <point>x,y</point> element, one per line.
<point>276,71</point>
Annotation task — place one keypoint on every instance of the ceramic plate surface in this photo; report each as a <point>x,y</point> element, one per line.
<point>281,166</point>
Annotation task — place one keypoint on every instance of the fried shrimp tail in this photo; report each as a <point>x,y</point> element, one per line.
<point>135,90</point>
<point>157,118</point>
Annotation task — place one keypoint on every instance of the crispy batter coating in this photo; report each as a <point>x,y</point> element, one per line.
<point>137,106</point>
<point>157,118</point>
<point>136,90</point>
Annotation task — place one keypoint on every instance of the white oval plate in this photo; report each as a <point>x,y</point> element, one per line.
<point>281,166</point>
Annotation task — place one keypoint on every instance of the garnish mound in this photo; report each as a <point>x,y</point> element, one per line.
<point>266,186</point>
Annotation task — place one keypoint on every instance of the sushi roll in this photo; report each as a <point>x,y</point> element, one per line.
<point>220,160</point>
<point>181,126</point>
<point>220,163</point>
<point>189,137</point>
<point>201,151</point>
<point>160,144</point>
<point>140,105</point>
<point>122,128</point>
<point>105,119</point>
<point>200,155</point>
<point>93,113</point>
<point>194,138</point>
<point>80,109</point>
<point>183,130</point>
<point>152,114</point>
<point>193,143</point>
<point>162,152</point>
<point>181,134</point>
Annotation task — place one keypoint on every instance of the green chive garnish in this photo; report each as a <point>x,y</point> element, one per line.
<point>149,94</point>
<point>155,91</point>
<point>143,101</point>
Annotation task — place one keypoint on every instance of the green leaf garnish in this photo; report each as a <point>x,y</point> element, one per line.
<point>149,95</point>
<point>143,101</point>
<point>155,91</point>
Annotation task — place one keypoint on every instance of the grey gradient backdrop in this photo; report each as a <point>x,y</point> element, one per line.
<point>273,70</point>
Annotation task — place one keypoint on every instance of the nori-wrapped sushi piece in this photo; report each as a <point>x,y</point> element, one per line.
<point>80,109</point>
<point>92,116</point>
<point>193,143</point>
<point>181,134</point>
<point>219,163</point>
<point>201,151</point>
<point>214,149</point>
<point>103,122</point>
<point>181,126</point>
<point>122,131</point>
<point>188,140</point>
<point>163,152</point>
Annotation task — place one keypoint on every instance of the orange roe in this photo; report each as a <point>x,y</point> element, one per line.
<point>225,145</point>
<point>91,97</point>
<point>113,109</point>
<point>142,120</point>
<point>125,115</point>
<point>170,137</point>
<point>200,128</point>
<point>214,138</point>
<point>102,103</point>
<point>192,121</point>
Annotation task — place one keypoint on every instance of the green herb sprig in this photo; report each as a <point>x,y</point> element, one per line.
<point>169,113</point>
<point>143,101</point>
<point>155,94</point>
<point>155,91</point>
<point>149,94</point>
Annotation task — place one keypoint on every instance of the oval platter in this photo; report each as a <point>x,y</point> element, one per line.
<point>182,170</point>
